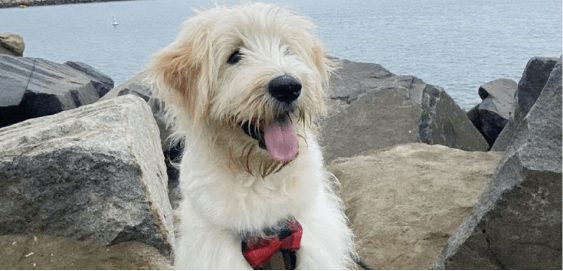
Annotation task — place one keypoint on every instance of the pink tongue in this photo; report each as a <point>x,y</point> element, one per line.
<point>280,140</point>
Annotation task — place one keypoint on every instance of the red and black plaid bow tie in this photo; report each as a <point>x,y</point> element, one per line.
<point>258,250</point>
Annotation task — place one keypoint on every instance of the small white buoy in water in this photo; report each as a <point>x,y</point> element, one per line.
<point>114,21</point>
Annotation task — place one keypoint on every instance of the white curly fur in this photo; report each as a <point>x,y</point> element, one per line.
<point>229,184</point>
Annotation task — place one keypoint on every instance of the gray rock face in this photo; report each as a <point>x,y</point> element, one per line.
<point>516,224</point>
<point>378,120</point>
<point>355,80</point>
<point>11,44</point>
<point>33,87</point>
<point>444,122</point>
<point>136,86</point>
<point>371,108</point>
<point>404,202</point>
<point>133,85</point>
<point>101,81</point>
<point>501,92</point>
<point>535,76</point>
<point>499,103</point>
<point>533,80</point>
<point>93,174</point>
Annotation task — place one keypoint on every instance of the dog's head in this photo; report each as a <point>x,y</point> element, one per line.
<point>254,74</point>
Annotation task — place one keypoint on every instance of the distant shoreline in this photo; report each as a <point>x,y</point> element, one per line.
<point>30,3</point>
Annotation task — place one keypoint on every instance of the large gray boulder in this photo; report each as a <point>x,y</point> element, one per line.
<point>497,107</point>
<point>34,87</point>
<point>516,224</point>
<point>11,44</point>
<point>93,174</point>
<point>501,92</point>
<point>355,80</point>
<point>138,87</point>
<point>134,85</point>
<point>102,82</point>
<point>533,80</point>
<point>172,152</point>
<point>405,201</point>
<point>378,120</point>
<point>371,108</point>
<point>444,122</point>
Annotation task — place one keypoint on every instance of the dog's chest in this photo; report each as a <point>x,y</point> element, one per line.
<point>244,202</point>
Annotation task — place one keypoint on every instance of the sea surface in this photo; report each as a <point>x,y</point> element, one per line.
<point>458,45</point>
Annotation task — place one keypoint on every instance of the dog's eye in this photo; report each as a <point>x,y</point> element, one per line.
<point>235,57</point>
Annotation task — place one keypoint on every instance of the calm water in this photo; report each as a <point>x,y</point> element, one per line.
<point>458,45</point>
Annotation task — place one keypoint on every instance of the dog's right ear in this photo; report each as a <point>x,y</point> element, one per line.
<point>182,72</point>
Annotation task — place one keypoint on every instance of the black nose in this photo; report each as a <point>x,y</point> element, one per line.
<point>285,89</point>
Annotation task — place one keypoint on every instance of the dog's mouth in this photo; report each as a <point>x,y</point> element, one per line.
<point>277,138</point>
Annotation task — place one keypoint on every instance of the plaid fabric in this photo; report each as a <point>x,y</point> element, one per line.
<point>258,250</point>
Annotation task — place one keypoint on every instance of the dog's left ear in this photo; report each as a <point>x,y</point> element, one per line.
<point>303,39</point>
<point>303,36</point>
<point>324,64</point>
<point>181,73</point>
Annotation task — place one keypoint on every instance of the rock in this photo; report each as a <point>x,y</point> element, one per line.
<point>48,252</point>
<point>140,90</point>
<point>371,108</point>
<point>533,79</point>
<point>89,174</point>
<point>516,223</point>
<point>137,79</point>
<point>378,120</point>
<point>172,151</point>
<point>404,202</point>
<point>355,80</point>
<point>488,123</point>
<point>499,103</point>
<point>11,44</point>
<point>101,82</point>
<point>505,136</point>
<point>444,122</point>
<point>137,87</point>
<point>143,91</point>
<point>501,92</point>
<point>34,87</point>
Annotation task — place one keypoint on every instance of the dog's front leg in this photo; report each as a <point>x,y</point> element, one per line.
<point>327,239</point>
<point>205,246</point>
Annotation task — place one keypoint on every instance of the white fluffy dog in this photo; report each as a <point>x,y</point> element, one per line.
<point>243,86</point>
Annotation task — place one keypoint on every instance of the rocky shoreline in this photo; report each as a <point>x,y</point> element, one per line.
<point>28,3</point>
<point>425,184</point>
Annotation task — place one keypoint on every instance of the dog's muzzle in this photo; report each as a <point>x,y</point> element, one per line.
<point>278,137</point>
<point>255,132</point>
<point>285,89</point>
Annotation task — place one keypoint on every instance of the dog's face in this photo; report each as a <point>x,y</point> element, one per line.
<point>254,75</point>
